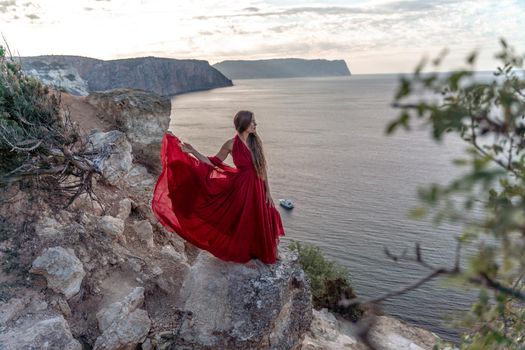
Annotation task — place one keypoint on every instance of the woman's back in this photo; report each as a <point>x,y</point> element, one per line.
<point>241,154</point>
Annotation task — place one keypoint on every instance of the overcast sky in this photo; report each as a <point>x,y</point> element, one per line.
<point>371,36</point>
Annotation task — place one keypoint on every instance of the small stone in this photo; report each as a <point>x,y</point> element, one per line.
<point>66,215</point>
<point>135,265</point>
<point>157,271</point>
<point>48,228</point>
<point>124,209</point>
<point>144,231</point>
<point>111,226</point>
<point>85,203</point>
<point>63,271</point>
<point>170,252</point>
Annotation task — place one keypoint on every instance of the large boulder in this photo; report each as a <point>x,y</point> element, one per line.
<point>232,306</point>
<point>143,116</point>
<point>63,271</point>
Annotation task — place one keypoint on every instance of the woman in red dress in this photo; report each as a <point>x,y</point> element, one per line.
<point>225,210</point>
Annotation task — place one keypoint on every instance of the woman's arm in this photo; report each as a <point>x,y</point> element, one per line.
<point>186,147</point>
<point>221,155</point>
<point>224,151</point>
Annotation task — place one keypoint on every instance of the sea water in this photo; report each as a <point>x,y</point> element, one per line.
<point>352,186</point>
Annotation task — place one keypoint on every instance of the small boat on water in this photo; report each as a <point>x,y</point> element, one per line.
<point>286,203</point>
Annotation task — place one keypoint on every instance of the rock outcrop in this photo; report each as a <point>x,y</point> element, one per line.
<point>164,76</point>
<point>236,307</point>
<point>115,278</point>
<point>282,68</point>
<point>143,116</point>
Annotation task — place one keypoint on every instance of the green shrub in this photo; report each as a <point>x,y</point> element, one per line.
<point>40,146</point>
<point>329,282</point>
<point>29,115</point>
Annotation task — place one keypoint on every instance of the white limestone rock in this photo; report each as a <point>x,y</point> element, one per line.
<point>112,155</point>
<point>124,208</point>
<point>41,332</point>
<point>170,252</point>
<point>63,271</point>
<point>236,307</point>
<point>122,323</point>
<point>389,333</point>
<point>111,226</point>
<point>48,227</point>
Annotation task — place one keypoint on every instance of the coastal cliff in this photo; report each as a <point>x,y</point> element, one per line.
<point>164,76</point>
<point>104,274</point>
<point>282,68</point>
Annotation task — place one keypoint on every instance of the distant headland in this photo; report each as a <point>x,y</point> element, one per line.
<point>80,75</point>
<point>282,68</point>
<point>165,76</point>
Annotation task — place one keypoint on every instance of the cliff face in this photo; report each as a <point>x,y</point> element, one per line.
<point>282,68</point>
<point>105,274</point>
<point>164,76</point>
<point>143,116</point>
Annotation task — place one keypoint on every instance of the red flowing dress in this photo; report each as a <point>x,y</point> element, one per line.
<point>221,209</point>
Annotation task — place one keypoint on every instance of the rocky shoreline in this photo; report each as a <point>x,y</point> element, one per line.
<point>104,274</point>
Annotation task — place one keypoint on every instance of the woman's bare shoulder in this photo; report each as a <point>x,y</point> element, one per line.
<point>228,144</point>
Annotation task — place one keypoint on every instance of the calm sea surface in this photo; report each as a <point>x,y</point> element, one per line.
<point>351,184</point>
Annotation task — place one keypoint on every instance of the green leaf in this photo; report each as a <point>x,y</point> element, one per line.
<point>404,89</point>
<point>420,66</point>
<point>417,213</point>
<point>472,57</point>
<point>460,162</point>
<point>392,127</point>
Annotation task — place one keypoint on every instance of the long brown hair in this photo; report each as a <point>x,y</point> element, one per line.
<point>242,121</point>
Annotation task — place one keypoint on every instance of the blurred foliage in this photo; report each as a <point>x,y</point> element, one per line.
<point>489,117</point>
<point>329,282</point>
